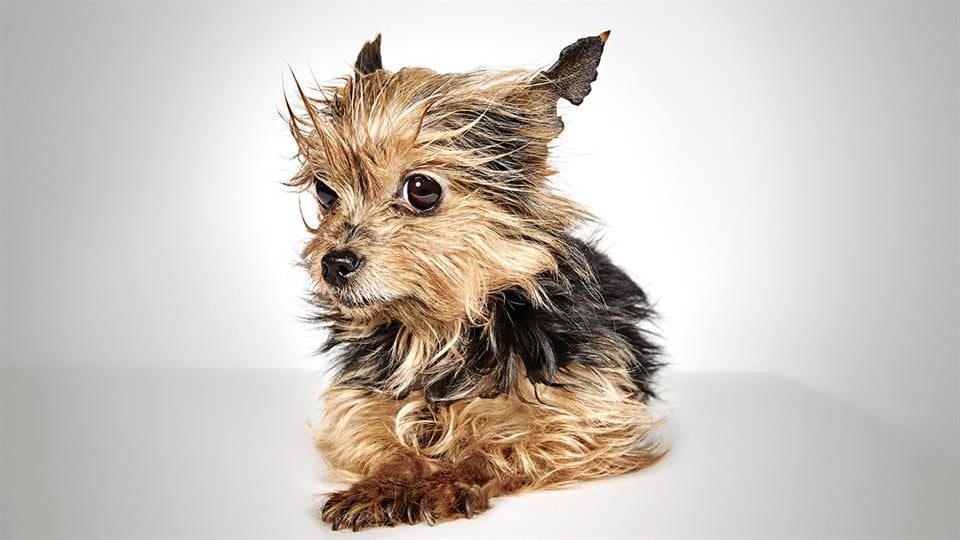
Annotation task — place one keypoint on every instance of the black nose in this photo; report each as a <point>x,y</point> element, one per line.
<point>338,265</point>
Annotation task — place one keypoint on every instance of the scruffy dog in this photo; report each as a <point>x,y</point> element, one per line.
<point>480,348</point>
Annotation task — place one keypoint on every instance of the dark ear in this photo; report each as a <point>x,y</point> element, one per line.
<point>571,75</point>
<point>369,60</point>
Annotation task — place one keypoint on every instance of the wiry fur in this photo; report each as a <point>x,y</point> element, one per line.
<point>482,348</point>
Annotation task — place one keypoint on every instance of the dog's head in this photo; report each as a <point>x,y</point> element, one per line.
<point>432,188</point>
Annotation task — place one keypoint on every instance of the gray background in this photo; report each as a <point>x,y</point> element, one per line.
<point>783,178</point>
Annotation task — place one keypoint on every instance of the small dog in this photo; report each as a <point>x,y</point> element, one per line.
<point>480,348</point>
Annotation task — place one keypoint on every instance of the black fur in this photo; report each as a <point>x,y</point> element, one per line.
<point>369,60</point>
<point>576,68</point>
<point>593,305</point>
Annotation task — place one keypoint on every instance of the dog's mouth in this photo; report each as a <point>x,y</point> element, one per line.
<point>354,303</point>
<point>356,300</point>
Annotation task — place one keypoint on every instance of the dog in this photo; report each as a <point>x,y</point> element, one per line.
<point>479,348</point>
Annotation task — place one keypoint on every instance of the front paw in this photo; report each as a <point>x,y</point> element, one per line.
<point>443,496</point>
<point>379,501</point>
<point>368,503</point>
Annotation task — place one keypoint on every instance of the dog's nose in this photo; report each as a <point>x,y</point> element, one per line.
<point>338,266</point>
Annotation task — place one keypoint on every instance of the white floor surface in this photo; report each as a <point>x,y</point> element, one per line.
<point>205,454</point>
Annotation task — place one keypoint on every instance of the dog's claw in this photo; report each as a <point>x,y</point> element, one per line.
<point>338,521</point>
<point>468,505</point>
<point>410,518</point>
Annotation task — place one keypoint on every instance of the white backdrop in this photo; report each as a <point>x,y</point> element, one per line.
<point>783,178</point>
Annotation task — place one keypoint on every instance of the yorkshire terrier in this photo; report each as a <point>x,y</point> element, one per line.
<point>480,348</point>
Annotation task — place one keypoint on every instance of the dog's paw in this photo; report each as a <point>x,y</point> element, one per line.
<point>443,497</point>
<point>368,503</point>
<point>384,501</point>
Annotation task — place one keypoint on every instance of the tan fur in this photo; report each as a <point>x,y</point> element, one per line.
<point>412,460</point>
<point>564,436</point>
<point>432,275</point>
<point>386,125</point>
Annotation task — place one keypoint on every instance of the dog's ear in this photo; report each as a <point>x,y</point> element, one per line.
<point>369,60</point>
<point>570,76</point>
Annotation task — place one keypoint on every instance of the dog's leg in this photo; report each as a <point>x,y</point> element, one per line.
<point>395,481</point>
<point>404,493</point>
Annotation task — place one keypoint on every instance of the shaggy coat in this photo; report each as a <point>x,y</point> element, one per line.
<point>479,347</point>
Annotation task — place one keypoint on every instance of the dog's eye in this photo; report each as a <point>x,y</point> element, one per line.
<point>325,195</point>
<point>421,191</point>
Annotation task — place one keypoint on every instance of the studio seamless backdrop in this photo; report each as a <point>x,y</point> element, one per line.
<point>781,178</point>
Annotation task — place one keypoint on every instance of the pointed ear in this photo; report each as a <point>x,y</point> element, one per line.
<point>570,77</point>
<point>369,60</point>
